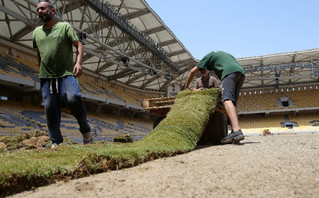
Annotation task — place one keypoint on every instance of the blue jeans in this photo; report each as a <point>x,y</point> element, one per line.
<point>68,88</point>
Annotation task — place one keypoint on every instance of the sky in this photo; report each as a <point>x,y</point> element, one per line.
<point>241,27</point>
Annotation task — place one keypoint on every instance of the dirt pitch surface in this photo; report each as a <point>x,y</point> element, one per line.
<point>261,166</point>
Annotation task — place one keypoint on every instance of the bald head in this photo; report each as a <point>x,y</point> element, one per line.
<point>45,11</point>
<point>47,1</point>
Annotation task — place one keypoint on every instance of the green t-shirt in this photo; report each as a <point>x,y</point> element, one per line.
<point>221,63</point>
<point>56,49</point>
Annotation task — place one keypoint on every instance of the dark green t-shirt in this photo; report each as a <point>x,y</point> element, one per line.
<point>221,63</point>
<point>56,49</point>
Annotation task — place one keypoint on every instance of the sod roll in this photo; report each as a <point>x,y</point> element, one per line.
<point>185,122</point>
<point>179,132</point>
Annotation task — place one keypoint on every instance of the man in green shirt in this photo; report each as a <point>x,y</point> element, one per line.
<point>54,43</point>
<point>232,76</point>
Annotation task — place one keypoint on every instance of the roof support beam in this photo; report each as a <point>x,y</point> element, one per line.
<point>15,15</point>
<point>150,80</point>
<point>136,14</point>
<point>177,53</point>
<point>135,78</point>
<point>121,74</point>
<point>124,25</point>
<point>277,67</point>
<point>154,30</point>
<point>169,42</point>
<point>279,78</point>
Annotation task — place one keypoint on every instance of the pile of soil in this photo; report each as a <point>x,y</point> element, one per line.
<point>38,140</point>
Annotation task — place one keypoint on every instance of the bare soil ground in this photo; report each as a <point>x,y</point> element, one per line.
<point>261,166</point>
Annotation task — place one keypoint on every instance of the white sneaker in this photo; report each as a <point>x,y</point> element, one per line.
<point>54,145</point>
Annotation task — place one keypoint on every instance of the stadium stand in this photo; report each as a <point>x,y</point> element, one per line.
<point>27,70</point>
<point>12,66</point>
<point>308,121</point>
<point>279,110</point>
<point>107,127</point>
<point>12,119</point>
<point>123,65</point>
<point>255,124</point>
<point>18,117</point>
<point>302,97</point>
<point>305,97</point>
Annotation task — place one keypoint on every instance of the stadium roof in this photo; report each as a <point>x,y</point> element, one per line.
<point>282,69</point>
<point>127,42</point>
<point>115,30</point>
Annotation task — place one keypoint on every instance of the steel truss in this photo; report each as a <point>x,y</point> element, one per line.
<point>108,37</point>
<point>283,74</point>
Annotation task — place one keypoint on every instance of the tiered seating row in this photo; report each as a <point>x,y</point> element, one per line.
<point>255,124</point>
<point>305,98</point>
<point>260,122</point>
<point>262,102</point>
<point>93,88</point>
<point>10,65</point>
<point>24,69</point>
<point>104,127</point>
<point>257,102</point>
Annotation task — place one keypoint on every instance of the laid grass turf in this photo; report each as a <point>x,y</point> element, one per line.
<point>178,133</point>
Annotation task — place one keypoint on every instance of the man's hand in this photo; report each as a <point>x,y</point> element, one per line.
<point>199,89</point>
<point>77,70</point>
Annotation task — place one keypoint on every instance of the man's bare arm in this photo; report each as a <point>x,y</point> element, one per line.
<point>191,75</point>
<point>78,64</point>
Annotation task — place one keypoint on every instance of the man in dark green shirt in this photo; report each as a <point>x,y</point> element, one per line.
<point>232,76</point>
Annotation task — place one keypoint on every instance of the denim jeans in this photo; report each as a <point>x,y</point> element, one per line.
<point>68,88</point>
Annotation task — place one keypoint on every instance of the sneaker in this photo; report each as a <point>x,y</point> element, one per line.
<point>87,138</point>
<point>54,145</point>
<point>233,137</point>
